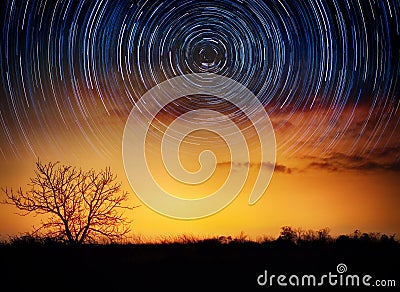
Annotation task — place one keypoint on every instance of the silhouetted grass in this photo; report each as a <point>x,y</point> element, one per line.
<point>187,262</point>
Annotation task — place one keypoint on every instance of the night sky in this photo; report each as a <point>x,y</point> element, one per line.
<point>327,73</point>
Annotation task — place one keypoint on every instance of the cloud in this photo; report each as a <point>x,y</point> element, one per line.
<point>386,152</point>
<point>322,165</point>
<point>283,169</point>
<point>384,159</point>
<point>278,167</point>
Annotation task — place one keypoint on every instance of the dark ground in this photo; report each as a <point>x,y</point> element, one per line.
<point>203,265</point>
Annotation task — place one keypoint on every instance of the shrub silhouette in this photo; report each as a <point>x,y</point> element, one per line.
<point>299,235</point>
<point>177,262</point>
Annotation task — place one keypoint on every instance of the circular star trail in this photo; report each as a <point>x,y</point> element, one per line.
<point>75,66</point>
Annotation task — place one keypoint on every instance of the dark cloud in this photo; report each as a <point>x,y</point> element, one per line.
<point>384,159</point>
<point>322,165</point>
<point>278,167</point>
<point>371,165</point>
<point>283,169</point>
<point>386,152</point>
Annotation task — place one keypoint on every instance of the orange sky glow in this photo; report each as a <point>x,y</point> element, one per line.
<point>318,182</point>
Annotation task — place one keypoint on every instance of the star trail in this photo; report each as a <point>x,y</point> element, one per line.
<point>71,64</point>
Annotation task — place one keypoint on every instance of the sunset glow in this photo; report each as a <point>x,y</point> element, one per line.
<point>327,74</point>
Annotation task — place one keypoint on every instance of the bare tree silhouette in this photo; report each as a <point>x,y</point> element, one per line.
<point>83,206</point>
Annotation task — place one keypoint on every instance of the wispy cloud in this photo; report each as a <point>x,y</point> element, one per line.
<point>382,159</point>
<point>277,168</point>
